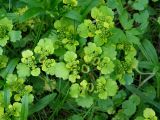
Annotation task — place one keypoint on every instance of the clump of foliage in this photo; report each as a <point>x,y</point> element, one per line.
<point>78,59</point>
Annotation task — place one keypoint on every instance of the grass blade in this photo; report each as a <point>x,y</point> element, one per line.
<point>10,68</point>
<point>6,97</point>
<point>146,64</point>
<point>42,103</point>
<point>30,13</point>
<point>24,109</point>
<point>149,51</point>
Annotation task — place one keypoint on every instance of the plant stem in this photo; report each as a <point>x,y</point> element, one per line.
<point>145,80</point>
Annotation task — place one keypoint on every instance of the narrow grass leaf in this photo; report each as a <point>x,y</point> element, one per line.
<point>144,52</point>
<point>30,13</point>
<point>10,68</point>
<point>6,97</point>
<point>146,64</point>
<point>24,109</point>
<point>42,103</point>
<point>149,51</point>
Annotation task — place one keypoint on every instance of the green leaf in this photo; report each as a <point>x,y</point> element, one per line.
<point>87,5</point>
<point>33,3</point>
<point>2,13</point>
<point>109,51</point>
<point>83,30</point>
<point>158,20</point>
<point>149,51</point>
<point>23,70</point>
<point>70,56</point>
<point>154,0</point>
<point>21,44</point>
<point>15,35</point>
<point>42,103</point>
<point>38,84</point>
<point>140,4</point>
<point>7,23</point>
<point>149,113</point>
<point>13,16</point>
<point>134,31</point>
<point>149,91</point>
<point>103,10</point>
<point>60,52</point>
<point>1,50</point>
<point>30,13</point>
<point>129,108</point>
<point>111,4</point>
<point>75,90</point>
<point>61,71</point>
<point>117,35</point>
<point>10,68</point>
<point>143,19</point>
<point>146,64</point>
<point>119,6</point>
<point>135,99</point>
<point>106,11</point>
<point>62,86</point>
<point>5,26</point>
<point>74,15</point>
<point>104,105</point>
<point>82,42</point>
<point>24,109</point>
<point>45,46</point>
<point>131,36</point>
<point>125,21</point>
<point>119,98</point>
<point>128,79</point>
<point>76,117</point>
<point>106,66</point>
<point>85,102</point>
<point>124,16</point>
<point>143,97</point>
<point>7,96</point>
<point>36,72</point>
<point>27,53</point>
<point>139,118</point>
<point>3,61</point>
<point>111,87</point>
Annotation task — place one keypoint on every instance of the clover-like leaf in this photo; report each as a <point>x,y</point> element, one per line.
<point>111,87</point>
<point>61,71</point>
<point>75,90</point>
<point>83,28</point>
<point>149,113</point>
<point>85,102</point>
<point>135,99</point>
<point>35,72</point>
<point>140,4</point>
<point>70,56</point>
<point>129,108</point>
<point>109,51</point>
<point>15,35</point>
<point>23,70</point>
<point>3,61</point>
<point>27,53</point>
